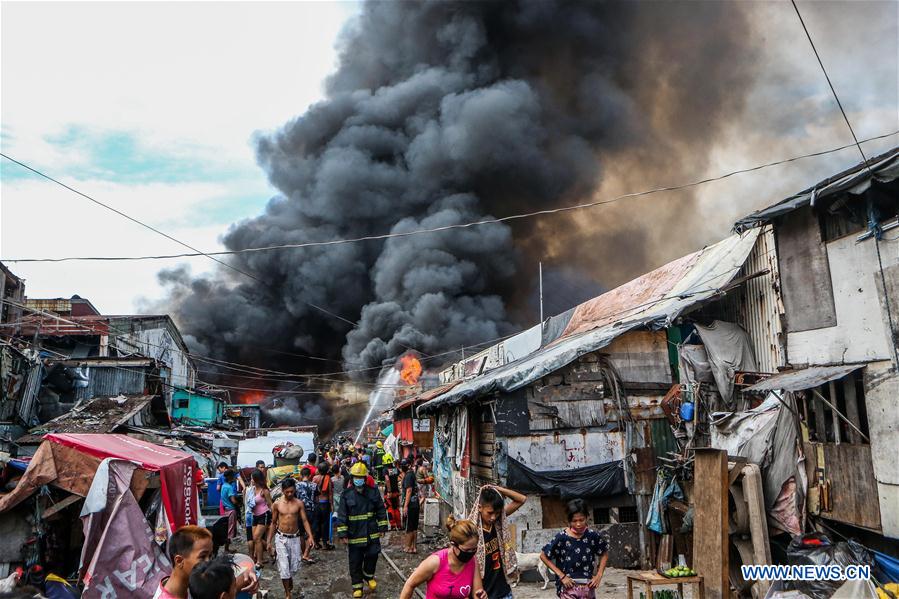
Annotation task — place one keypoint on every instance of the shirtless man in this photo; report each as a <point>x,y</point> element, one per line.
<point>287,513</point>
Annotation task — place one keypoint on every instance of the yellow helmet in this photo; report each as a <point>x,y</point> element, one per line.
<point>387,459</point>
<point>358,469</point>
<point>379,445</point>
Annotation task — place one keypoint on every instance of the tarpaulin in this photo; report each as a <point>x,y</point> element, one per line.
<point>855,180</point>
<point>176,468</point>
<point>119,557</point>
<point>65,468</point>
<point>729,350</point>
<point>766,436</point>
<point>601,480</point>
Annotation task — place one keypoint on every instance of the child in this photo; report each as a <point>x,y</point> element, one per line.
<point>573,553</point>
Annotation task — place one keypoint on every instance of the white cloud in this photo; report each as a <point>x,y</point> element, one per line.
<point>186,80</point>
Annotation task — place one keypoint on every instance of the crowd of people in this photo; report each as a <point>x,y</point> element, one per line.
<point>344,492</point>
<point>353,495</point>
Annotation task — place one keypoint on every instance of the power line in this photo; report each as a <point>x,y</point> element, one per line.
<point>487,221</point>
<point>874,226</point>
<point>832,90</point>
<point>164,234</point>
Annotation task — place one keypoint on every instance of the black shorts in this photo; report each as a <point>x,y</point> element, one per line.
<point>262,519</point>
<point>412,515</point>
<point>249,533</point>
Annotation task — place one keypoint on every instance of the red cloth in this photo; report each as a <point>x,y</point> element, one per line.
<point>176,468</point>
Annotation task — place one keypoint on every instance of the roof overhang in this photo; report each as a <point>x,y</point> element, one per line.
<point>653,300</point>
<point>798,380</point>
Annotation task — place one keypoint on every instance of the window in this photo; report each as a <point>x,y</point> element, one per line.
<point>628,513</point>
<point>182,402</point>
<point>601,515</point>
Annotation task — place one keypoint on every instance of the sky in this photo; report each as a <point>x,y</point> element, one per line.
<point>152,108</point>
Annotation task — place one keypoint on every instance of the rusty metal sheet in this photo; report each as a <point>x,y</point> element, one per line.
<point>100,415</point>
<point>655,300</point>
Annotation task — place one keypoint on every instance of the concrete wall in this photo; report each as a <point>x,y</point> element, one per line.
<point>558,451</point>
<point>881,392</point>
<point>861,333</point>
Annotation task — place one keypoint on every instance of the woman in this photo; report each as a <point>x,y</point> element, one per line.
<point>262,515</point>
<point>450,573</point>
<point>573,553</point>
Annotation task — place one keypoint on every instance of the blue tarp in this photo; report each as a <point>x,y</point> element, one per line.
<point>888,565</point>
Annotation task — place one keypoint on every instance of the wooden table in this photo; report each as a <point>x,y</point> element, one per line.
<point>650,579</point>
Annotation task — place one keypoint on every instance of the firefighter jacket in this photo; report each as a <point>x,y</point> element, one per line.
<point>361,517</point>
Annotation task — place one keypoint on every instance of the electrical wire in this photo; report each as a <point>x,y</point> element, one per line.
<point>166,235</point>
<point>486,221</point>
<point>874,227</point>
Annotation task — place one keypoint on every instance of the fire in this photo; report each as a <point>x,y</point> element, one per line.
<point>411,369</point>
<point>251,397</point>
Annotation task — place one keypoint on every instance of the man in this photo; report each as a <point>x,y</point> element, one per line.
<point>378,461</point>
<point>311,463</point>
<point>222,468</point>
<point>392,492</point>
<point>227,505</point>
<point>307,493</point>
<point>411,508</point>
<point>213,580</point>
<point>361,520</point>
<point>189,546</point>
<point>260,466</point>
<point>288,519</point>
<point>323,481</point>
<point>499,549</point>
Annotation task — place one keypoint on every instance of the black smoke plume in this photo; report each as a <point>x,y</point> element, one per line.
<point>447,112</point>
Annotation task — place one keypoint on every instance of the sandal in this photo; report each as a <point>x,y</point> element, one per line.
<point>308,560</point>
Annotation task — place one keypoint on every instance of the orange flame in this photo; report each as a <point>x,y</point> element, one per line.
<point>411,369</point>
<point>251,397</point>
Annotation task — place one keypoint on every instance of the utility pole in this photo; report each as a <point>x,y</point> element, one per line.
<point>540,276</point>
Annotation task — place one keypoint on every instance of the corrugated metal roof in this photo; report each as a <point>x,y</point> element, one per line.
<point>99,415</point>
<point>854,180</point>
<point>652,300</point>
<point>797,380</point>
<point>426,395</point>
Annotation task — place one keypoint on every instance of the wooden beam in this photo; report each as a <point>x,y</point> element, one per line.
<point>820,429</point>
<point>852,408</point>
<point>710,525</point>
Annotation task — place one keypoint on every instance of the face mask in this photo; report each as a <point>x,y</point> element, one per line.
<point>359,482</point>
<point>465,556</point>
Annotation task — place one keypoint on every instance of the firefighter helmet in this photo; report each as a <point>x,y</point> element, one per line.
<point>387,459</point>
<point>379,445</point>
<point>358,469</point>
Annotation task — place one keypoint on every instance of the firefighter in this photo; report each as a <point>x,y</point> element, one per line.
<point>377,461</point>
<point>392,492</point>
<point>361,520</point>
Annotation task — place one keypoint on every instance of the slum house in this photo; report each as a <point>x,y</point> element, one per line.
<point>837,249</point>
<point>12,294</point>
<point>414,434</point>
<point>96,505</point>
<point>194,408</point>
<point>576,406</point>
<point>73,328</point>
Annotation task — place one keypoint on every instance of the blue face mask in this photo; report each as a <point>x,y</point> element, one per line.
<point>359,482</point>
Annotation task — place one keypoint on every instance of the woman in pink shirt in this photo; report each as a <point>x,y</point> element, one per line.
<point>450,573</point>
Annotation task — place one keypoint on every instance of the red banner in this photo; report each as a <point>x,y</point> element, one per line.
<point>176,468</point>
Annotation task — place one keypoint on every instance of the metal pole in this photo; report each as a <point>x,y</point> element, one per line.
<point>540,276</point>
